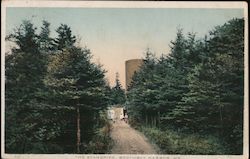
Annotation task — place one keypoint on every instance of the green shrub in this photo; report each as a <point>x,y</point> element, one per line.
<point>101,142</point>
<point>42,147</point>
<point>171,142</point>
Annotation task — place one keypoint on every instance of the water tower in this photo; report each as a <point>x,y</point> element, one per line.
<point>131,67</point>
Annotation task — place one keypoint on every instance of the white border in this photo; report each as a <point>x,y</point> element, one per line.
<point>125,4</point>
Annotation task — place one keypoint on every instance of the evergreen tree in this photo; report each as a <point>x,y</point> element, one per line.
<point>198,88</point>
<point>25,70</point>
<point>48,96</point>
<point>142,101</point>
<point>65,38</point>
<point>117,93</point>
<point>216,86</point>
<point>80,85</point>
<point>46,43</point>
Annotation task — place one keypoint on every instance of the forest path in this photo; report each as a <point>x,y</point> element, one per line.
<point>129,141</point>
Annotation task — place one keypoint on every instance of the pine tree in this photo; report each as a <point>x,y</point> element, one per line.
<point>46,43</point>
<point>221,82</point>
<point>198,88</point>
<point>143,91</point>
<point>65,38</point>
<point>25,70</point>
<point>117,93</point>
<point>81,86</point>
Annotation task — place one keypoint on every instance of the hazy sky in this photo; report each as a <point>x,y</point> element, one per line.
<point>115,35</point>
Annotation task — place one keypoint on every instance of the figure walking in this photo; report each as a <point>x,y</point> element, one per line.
<point>126,118</point>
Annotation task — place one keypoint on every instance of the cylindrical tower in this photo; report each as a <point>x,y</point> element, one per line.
<point>131,67</point>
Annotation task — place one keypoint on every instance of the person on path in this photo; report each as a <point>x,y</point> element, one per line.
<point>121,117</point>
<point>126,118</point>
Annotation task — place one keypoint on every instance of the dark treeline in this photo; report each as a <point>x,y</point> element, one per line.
<point>55,96</point>
<point>117,93</point>
<point>189,101</point>
<point>196,89</point>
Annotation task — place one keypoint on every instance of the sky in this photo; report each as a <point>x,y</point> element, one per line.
<point>115,35</point>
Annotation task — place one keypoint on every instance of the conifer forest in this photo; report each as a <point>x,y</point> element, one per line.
<point>187,101</point>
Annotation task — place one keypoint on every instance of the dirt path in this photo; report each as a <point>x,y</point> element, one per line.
<point>129,141</point>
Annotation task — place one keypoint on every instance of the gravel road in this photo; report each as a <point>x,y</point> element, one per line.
<point>129,141</point>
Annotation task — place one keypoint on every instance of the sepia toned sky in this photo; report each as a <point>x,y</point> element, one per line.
<point>115,35</point>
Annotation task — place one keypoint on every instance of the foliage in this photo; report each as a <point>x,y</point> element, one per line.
<point>46,43</point>
<point>46,81</point>
<point>197,88</point>
<point>117,94</point>
<point>65,38</point>
<point>171,142</point>
<point>102,142</point>
<point>25,90</point>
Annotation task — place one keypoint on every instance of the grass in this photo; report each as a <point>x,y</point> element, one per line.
<point>101,143</point>
<point>171,142</point>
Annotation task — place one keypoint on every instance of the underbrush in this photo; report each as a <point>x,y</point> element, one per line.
<point>171,142</point>
<point>101,142</point>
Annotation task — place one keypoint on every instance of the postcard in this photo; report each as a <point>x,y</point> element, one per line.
<point>124,79</point>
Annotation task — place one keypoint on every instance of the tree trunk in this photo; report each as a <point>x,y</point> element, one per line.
<point>78,139</point>
<point>24,145</point>
<point>221,117</point>
<point>158,119</point>
<point>221,121</point>
<point>154,121</point>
